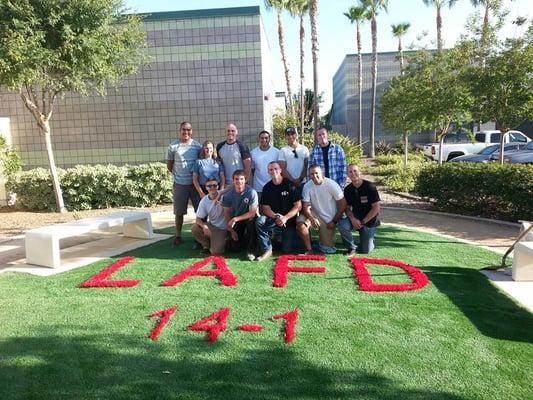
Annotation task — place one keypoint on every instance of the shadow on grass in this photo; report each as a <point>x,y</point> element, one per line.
<point>492,312</point>
<point>83,367</point>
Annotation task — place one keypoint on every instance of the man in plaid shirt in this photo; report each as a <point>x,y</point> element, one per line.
<point>330,157</point>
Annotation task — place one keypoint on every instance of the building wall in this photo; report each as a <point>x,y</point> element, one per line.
<point>205,67</point>
<point>345,97</point>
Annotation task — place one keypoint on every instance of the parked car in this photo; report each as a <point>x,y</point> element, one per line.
<point>488,153</point>
<point>524,156</point>
<point>459,144</point>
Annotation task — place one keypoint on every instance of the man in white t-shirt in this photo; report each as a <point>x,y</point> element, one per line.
<point>262,155</point>
<point>293,158</point>
<point>323,205</point>
<point>210,227</point>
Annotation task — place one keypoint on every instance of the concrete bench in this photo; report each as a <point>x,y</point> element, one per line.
<point>522,269</point>
<point>42,244</point>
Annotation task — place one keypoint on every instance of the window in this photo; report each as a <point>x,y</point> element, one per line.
<point>495,138</point>
<point>516,137</point>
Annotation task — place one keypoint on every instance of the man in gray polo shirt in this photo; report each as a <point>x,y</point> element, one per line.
<point>181,157</point>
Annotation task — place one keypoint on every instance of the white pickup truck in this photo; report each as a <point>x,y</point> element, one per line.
<point>460,144</point>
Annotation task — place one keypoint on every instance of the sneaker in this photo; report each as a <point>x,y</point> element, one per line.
<point>265,255</point>
<point>309,252</point>
<point>351,252</point>
<point>196,246</point>
<point>250,257</point>
<point>205,251</point>
<point>177,241</point>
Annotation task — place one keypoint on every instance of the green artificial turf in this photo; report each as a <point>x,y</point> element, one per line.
<point>457,338</point>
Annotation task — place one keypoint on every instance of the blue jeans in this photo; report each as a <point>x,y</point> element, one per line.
<point>266,227</point>
<point>366,236</point>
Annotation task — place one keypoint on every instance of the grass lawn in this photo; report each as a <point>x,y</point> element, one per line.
<point>457,338</point>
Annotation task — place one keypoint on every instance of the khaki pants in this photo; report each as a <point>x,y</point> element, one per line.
<point>326,236</point>
<point>216,243</point>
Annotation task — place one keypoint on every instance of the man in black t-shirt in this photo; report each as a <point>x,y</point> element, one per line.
<point>363,209</point>
<point>280,204</point>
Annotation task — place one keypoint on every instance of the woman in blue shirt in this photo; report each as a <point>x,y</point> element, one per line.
<point>207,167</point>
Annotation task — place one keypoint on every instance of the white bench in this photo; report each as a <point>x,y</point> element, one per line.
<point>42,244</point>
<point>523,255</point>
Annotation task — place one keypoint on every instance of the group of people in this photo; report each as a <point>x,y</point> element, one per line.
<point>255,200</point>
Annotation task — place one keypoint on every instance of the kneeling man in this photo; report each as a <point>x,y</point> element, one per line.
<point>240,210</point>
<point>280,205</point>
<point>210,227</point>
<point>362,210</point>
<point>323,206</point>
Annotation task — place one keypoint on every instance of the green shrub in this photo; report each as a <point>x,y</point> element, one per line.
<point>94,186</point>
<point>402,180</point>
<point>489,190</point>
<point>10,160</point>
<point>392,173</point>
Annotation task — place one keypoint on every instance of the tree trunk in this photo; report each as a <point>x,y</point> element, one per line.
<point>406,148</point>
<point>281,38</point>
<point>441,145</point>
<point>439,30</point>
<point>374,84</point>
<point>313,14</point>
<point>360,85</point>
<point>400,50</point>
<point>45,129</point>
<point>302,77</point>
<point>502,143</point>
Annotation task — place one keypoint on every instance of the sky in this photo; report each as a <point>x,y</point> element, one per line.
<point>337,35</point>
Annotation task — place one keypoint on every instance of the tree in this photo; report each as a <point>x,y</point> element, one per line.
<point>400,110</point>
<point>486,28</point>
<point>300,8</point>
<point>438,5</point>
<point>48,48</point>
<point>399,31</point>
<point>503,86</point>
<point>373,7</point>
<point>313,15</point>
<point>280,6</point>
<point>358,15</point>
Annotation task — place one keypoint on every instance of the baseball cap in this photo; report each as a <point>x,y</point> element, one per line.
<point>290,130</point>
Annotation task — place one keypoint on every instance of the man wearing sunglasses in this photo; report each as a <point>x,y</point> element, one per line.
<point>280,204</point>
<point>293,158</point>
<point>210,227</point>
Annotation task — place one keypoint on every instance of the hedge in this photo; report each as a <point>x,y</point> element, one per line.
<point>94,186</point>
<point>488,190</point>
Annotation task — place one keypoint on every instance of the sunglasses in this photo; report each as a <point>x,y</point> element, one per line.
<point>295,154</point>
<point>214,185</point>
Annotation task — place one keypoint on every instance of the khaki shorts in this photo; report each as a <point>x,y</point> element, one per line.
<point>215,243</point>
<point>326,236</point>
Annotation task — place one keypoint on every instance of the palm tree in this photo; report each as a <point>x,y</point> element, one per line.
<point>313,15</point>
<point>358,15</point>
<point>373,7</point>
<point>280,6</point>
<point>438,5</point>
<point>300,8</point>
<point>485,30</point>
<point>398,31</point>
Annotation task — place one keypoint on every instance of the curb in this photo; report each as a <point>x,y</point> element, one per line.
<point>450,215</point>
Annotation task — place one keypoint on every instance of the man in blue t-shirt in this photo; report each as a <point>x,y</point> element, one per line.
<point>181,158</point>
<point>240,210</point>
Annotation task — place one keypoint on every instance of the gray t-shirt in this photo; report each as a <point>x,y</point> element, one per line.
<point>184,156</point>
<point>239,203</point>
<point>213,210</point>
<point>231,157</point>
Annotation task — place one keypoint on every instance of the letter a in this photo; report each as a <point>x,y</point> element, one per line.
<point>227,278</point>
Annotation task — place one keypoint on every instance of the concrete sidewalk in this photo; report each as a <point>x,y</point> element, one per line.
<point>496,236</point>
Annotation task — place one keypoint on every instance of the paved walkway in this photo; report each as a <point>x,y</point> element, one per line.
<point>493,235</point>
